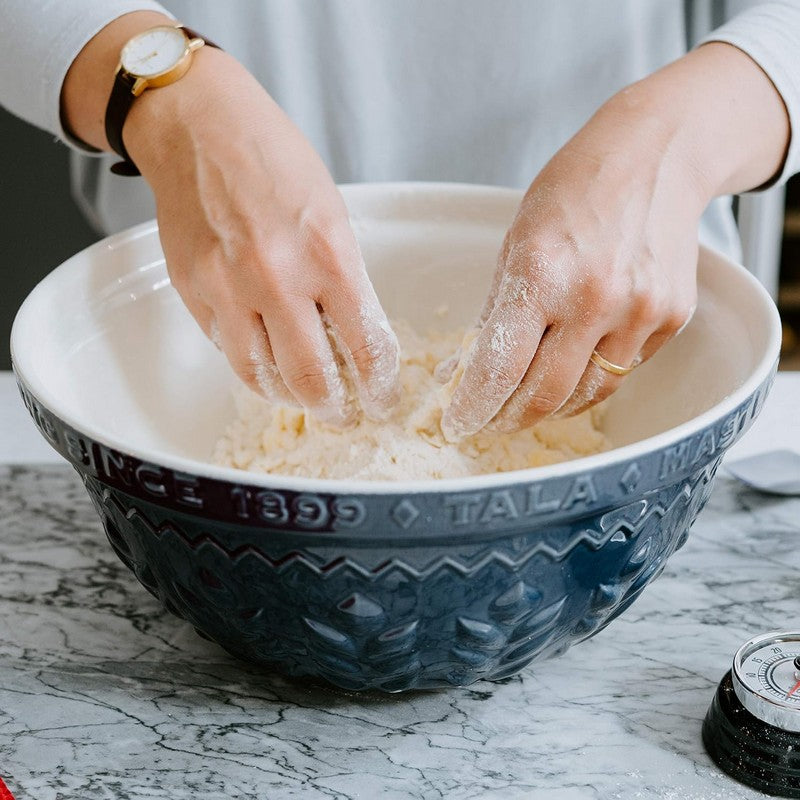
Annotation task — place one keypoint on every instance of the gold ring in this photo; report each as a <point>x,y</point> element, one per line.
<point>615,369</point>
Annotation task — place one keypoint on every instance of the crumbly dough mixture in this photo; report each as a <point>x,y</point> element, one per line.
<point>410,445</point>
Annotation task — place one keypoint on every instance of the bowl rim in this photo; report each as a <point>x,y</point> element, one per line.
<point>610,458</point>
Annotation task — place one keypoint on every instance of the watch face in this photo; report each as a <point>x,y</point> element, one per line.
<point>154,51</point>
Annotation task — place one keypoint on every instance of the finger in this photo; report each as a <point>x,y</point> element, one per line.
<point>308,365</point>
<point>495,364</point>
<point>549,381</point>
<point>630,345</point>
<point>244,340</point>
<point>204,316</point>
<point>354,322</point>
<point>444,370</point>
<point>363,337</point>
<point>214,334</point>
<point>596,384</point>
<point>497,280</point>
<point>689,317</point>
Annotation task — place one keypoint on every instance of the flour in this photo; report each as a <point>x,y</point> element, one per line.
<point>267,375</point>
<point>409,445</point>
<point>214,334</point>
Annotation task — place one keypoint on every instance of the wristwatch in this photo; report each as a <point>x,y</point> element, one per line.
<point>155,57</point>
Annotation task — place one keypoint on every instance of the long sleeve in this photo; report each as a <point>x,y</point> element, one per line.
<point>770,34</point>
<point>39,39</point>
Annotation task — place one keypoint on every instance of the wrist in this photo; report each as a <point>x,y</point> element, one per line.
<point>161,121</point>
<point>643,141</point>
<point>216,112</point>
<point>725,126</point>
<point>89,80</point>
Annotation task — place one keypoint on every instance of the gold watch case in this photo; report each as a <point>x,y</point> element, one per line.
<point>176,70</point>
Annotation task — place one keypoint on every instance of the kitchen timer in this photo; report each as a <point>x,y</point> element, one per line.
<point>752,728</point>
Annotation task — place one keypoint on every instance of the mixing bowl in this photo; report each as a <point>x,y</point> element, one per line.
<point>376,584</point>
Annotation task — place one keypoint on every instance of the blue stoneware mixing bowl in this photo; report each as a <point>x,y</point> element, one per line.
<point>366,584</point>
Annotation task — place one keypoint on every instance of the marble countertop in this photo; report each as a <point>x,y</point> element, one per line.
<point>104,695</point>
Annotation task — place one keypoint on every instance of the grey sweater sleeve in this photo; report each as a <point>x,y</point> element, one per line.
<point>770,34</point>
<point>39,40</point>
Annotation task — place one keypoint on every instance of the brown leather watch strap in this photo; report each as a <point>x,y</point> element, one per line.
<point>119,104</point>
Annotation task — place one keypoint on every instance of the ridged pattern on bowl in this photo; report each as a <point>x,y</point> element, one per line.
<point>470,612</point>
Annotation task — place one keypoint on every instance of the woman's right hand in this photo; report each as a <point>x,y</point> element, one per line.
<point>258,242</point>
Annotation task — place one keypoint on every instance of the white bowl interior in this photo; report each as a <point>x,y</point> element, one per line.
<point>107,343</point>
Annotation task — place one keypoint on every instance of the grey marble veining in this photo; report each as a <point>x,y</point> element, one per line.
<point>105,695</point>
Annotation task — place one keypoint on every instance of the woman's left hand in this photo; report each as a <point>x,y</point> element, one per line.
<point>601,257</point>
<point>602,254</point>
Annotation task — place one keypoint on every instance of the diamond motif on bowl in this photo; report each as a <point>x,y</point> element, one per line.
<point>630,478</point>
<point>404,513</point>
